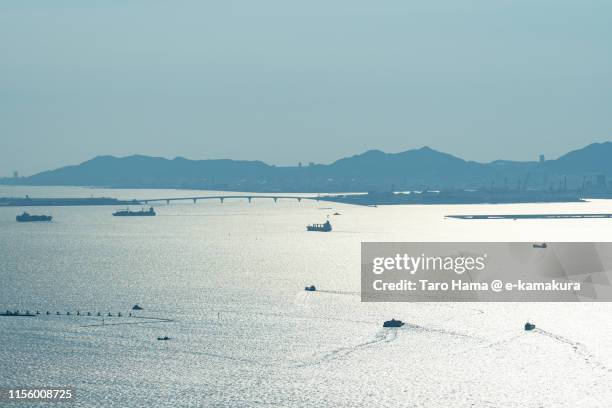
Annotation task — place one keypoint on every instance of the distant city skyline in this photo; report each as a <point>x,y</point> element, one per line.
<point>286,82</point>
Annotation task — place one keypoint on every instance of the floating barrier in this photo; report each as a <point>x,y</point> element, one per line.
<point>17,313</point>
<point>27,313</point>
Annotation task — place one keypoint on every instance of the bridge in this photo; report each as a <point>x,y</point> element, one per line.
<point>222,198</point>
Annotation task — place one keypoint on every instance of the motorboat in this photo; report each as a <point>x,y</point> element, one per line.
<point>393,323</point>
<point>529,326</point>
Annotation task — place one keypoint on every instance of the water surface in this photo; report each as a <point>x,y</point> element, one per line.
<point>230,277</point>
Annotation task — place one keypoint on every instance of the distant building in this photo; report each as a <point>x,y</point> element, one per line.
<point>542,158</point>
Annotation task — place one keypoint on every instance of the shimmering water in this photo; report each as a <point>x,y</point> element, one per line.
<point>244,333</point>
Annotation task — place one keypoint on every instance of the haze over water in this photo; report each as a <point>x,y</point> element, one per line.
<point>230,277</point>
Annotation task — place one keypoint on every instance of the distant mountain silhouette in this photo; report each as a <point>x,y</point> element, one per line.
<point>425,162</point>
<point>594,158</point>
<point>140,170</point>
<point>374,170</point>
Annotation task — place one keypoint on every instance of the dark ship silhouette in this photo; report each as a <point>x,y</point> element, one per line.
<point>25,217</point>
<point>393,323</point>
<point>128,213</point>
<point>320,227</point>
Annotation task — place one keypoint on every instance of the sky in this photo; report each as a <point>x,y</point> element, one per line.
<point>312,81</point>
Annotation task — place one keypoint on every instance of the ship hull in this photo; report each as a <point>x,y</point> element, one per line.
<point>128,213</point>
<point>134,215</point>
<point>34,218</point>
<point>318,229</point>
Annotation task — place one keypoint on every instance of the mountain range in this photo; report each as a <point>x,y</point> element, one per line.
<point>374,170</point>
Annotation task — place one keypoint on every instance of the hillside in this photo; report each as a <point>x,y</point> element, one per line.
<point>373,170</point>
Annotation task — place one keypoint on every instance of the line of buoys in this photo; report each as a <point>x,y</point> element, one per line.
<point>68,313</point>
<point>58,313</point>
<point>17,313</point>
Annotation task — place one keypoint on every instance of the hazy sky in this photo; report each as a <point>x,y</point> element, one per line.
<point>287,81</point>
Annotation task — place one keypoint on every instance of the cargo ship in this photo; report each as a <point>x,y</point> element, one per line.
<point>128,213</point>
<point>320,227</point>
<point>25,217</point>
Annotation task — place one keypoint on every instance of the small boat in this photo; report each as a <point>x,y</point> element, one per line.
<point>542,245</point>
<point>26,217</point>
<point>163,338</point>
<point>337,213</point>
<point>128,213</point>
<point>310,288</point>
<point>393,323</point>
<point>137,307</point>
<point>16,313</point>
<point>529,326</point>
<point>320,227</point>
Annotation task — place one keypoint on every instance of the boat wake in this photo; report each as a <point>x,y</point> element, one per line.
<point>381,337</point>
<point>339,292</point>
<point>578,348</point>
<point>293,316</point>
<point>306,297</point>
<point>148,320</point>
<point>439,331</point>
<point>504,341</point>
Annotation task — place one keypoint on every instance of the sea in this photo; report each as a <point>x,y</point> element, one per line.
<point>225,282</point>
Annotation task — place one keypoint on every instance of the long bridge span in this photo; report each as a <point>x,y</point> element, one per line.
<point>222,198</point>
